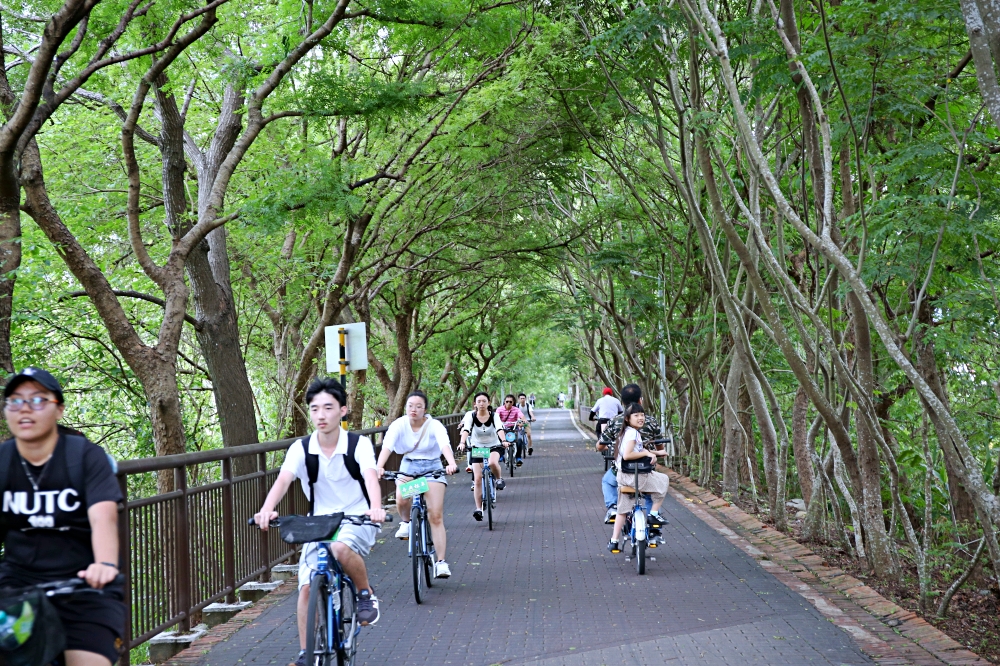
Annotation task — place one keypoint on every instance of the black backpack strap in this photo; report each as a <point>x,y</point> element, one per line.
<point>7,450</point>
<point>351,463</point>
<point>312,471</point>
<point>75,445</point>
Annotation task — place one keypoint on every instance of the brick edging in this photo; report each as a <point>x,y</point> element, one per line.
<point>194,653</point>
<point>804,566</point>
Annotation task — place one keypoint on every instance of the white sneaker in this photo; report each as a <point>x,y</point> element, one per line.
<point>441,569</point>
<point>468,469</point>
<point>404,531</point>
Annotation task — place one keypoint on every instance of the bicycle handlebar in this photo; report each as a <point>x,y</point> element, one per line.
<point>58,588</point>
<point>391,476</point>
<point>354,520</point>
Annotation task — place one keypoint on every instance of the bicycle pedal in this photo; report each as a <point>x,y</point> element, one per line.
<point>652,544</point>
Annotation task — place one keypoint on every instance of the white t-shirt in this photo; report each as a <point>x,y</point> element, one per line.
<point>631,442</point>
<point>483,435</point>
<point>401,439</point>
<point>607,407</point>
<point>336,489</point>
<point>526,410</point>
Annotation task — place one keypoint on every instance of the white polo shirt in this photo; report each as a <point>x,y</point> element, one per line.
<point>336,489</point>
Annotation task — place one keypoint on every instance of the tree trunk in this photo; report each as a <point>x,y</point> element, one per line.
<point>219,339</point>
<point>880,550</point>
<point>926,364</point>
<point>733,435</point>
<point>800,443</point>
<point>10,252</point>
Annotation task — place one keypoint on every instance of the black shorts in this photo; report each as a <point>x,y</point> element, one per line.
<point>499,449</point>
<point>92,622</point>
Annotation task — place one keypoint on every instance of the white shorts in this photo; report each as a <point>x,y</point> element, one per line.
<point>359,538</point>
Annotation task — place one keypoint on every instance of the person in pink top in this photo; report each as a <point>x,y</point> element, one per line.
<point>511,416</point>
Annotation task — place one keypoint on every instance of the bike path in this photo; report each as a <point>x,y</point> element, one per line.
<point>542,587</point>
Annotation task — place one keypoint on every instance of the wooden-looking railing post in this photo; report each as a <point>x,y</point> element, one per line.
<point>265,550</point>
<point>125,565</point>
<point>228,532</point>
<point>182,549</point>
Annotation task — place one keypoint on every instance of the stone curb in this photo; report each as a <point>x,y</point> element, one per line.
<point>222,632</point>
<point>805,572</point>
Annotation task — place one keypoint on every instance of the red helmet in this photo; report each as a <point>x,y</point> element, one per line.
<point>607,391</point>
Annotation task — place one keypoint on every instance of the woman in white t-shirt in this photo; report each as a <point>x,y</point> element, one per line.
<point>655,484</point>
<point>421,440</point>
<point>482,428</point>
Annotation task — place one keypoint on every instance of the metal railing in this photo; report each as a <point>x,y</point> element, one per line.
<point>183,550</point>
<point>584,414</point>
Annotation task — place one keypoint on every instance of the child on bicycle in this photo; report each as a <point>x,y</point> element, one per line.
<point>346,483</point>
<point>421,440</point>
<point>655,484</point>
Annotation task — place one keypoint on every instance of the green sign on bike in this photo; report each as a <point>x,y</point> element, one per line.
<point>480,452</point>
<point>411,488</point>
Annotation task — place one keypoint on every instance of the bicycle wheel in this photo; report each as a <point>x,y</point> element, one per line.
<point>640,557</point>
<point>317,651</point>
<point>348,635</point>
<point>488,495</point>
<point>428,551</point>
<point>416,551</point>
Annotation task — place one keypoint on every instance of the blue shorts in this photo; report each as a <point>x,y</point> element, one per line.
<point>415,466</point>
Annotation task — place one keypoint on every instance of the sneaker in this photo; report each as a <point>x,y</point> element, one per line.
<point>468,468</point>
<point>299,660</point>
<point>478,514</point>
<point>404,531</point>
<point>613,547</point>
<point>519,462</point>
<point>656,520</point>
<point>530,450</point>
<point>367,608</point>
<point>441,569</point>
<point>500,484</point>
<point>609,517</point>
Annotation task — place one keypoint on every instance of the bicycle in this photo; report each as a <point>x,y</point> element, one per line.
<point>637,523</point>
<point>489,483</point>
<point>332,615</point>
<point>37,636</point>
<point>421,547</point>
<point>510,454</point>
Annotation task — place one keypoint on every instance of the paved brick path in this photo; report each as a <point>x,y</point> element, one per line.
<point>542,588</point>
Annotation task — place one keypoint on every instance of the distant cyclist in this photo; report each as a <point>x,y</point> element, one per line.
<point>343,480</point>
<point>421,441</point>
<point>482,428</point>
<point>529,414</point>
<point>511,416</point>
<point>650,430</point>
<point>605,409</point>
<point>60,517</point>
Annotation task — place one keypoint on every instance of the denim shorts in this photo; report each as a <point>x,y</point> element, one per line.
<point>414,466</point>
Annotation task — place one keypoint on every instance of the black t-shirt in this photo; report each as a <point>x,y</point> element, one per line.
<point>46,533</point>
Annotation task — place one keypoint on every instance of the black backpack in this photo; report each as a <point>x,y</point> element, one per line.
<point>350,462</point>
<point>75,445</point>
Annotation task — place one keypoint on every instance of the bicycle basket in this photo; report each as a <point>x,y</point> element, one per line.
<point>511,436</point>
<point>36,635</point>
<point>307,529</point>
<point>644,466</point>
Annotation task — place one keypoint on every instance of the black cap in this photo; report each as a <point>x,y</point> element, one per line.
<point>33,375</point>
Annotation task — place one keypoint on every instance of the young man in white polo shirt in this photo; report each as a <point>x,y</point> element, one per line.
<point>342,485</point>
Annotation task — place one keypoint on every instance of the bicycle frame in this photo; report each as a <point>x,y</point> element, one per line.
<point>335,580</point>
